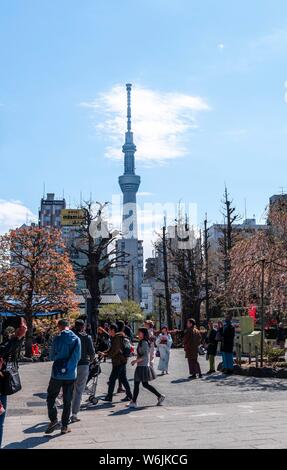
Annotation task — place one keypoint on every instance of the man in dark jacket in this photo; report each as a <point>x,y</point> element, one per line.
<point>66,353</point>
<point>227,343</point>
<point>119,362</point>
<point>87,356</point>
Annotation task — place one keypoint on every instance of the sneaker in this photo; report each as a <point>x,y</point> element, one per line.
<point>74,419</point>
<point>65,430</point>
<point>210,372</point>
<point>107,398</point>
<point>160,400</point>
<point>126,399</point>
<point>132,404</point>
<point>200,376</point>
<point>192,377</point>
<point>52,426</point>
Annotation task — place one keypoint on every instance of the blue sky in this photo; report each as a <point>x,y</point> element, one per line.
<point>62,67</point>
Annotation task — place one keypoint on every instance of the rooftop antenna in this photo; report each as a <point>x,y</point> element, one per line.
<point>129,112</point>
<point>282,190</point>
<point>44,189</point>
<point>69,203</point>
<point>245,209</point>
<point>81,199</point>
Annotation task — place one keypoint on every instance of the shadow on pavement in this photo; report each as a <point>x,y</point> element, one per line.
<point>102,406</point>
<point>126,411</point>
<point>40,427</point>
<point>247,384</point>
<point>30,442</point>
<point>40,395</point>
<point>179,381</point>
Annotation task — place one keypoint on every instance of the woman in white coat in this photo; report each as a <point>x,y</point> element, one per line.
<point>164,342</point>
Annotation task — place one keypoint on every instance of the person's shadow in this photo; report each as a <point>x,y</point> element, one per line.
<point>180,381</point>
<point>30,442</point>
<point>40,427</point>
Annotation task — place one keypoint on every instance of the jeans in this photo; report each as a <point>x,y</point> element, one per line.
<point>3,399</point>
<point>147,386</point>
<point>79,387</point>
<point>119,372</point>
<point>227,360</point>
<point>53,391</point>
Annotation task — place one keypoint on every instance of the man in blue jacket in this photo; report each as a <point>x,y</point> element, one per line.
<point>66,353</point>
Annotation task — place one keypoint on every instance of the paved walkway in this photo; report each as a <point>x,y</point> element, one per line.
<point>215,412</point>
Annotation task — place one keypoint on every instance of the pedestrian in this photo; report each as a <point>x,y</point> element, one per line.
<point>144,373</point>
<point>211,344</point>
<point>164,343</point>
<point>9,352</point>
<point>123,326</point>
<point>227,333</point>
<point>281,336</point>
<point>119,362</point>
<point>152,340</point>
<point>87,356</point>
<point>66,353</point>
<point>192,340</point>
<point>128,331</point>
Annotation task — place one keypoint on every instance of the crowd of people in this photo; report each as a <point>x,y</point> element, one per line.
<point>73,352</point>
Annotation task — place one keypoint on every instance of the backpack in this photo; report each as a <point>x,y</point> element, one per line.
<point>127,347</point>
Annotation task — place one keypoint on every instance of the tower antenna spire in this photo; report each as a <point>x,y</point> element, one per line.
<point>129,111</point>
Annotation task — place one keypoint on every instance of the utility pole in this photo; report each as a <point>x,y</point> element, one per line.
<point>166,282</point>
<point>133,284</point>
<point>160,310</point>
<point>128,278</point>
<point>206,271</point>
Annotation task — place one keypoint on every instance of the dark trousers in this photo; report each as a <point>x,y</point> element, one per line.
<point>119,372</point>
<point>145,385</point>
<point>3,399</point>
<point>194,367</point>
<point>53,391</point>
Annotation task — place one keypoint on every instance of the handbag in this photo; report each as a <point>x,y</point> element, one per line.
<point>201,350</point>
<point>60,366</point>
<point>10,382</point>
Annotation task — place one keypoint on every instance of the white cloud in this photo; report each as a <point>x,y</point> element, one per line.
<point>161,122</point>
<point>221,46</point>
<point>13,214</point>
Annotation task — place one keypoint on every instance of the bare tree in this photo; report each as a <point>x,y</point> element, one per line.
<point>229,237</point>
<point>97,243</point>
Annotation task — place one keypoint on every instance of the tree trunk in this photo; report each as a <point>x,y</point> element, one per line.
<point>166,281</point>
<point>29,334</point>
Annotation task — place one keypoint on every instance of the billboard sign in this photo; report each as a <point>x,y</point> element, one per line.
<point>176,302</point>
<point>70,217</point>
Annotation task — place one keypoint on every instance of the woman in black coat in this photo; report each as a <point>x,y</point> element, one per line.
<point>211,343</point>
<point>9,351</point>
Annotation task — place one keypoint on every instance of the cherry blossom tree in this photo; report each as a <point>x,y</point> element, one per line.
<point>35,274</point>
